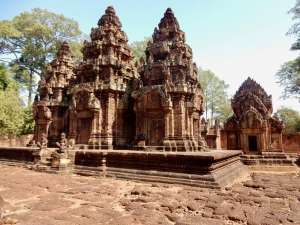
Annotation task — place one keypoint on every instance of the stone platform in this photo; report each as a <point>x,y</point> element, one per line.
<point>16,155</point>
<point>213,169</point>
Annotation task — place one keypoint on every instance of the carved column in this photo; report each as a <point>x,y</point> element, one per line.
<point>55,129</point>
<point>73,125</point>
<point>107,136</point>
<point>179,122</point>
<point>94,136</point>
<point>119,122</point>
<point>172,123</point>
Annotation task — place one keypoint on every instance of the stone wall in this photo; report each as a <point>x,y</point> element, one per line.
<point>223,138</point>
<point>291,142</point>
<point>12,140</point>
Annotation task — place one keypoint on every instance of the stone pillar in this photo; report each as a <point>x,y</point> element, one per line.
<point>119,127</point>
<point>54,133</point>
<point>73,126</point>
<point>94,139</point>
<point>179,123</point>
<point>166,142</point>
<point>107,136</point>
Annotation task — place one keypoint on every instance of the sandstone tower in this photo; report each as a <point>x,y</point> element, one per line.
<point>170,102</point>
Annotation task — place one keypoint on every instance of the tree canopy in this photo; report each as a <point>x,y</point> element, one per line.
<point>33,38</point>
<point>291,119</point>
<point>217,102</point>
<point>13,117</point>
<point>139,47</point>
<point>289,74</point>
<point>28,43</point>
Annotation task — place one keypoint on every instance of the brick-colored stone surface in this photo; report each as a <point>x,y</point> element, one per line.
<point>39,198</point>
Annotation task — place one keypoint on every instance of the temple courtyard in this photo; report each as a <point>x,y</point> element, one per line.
<point>32,198</point>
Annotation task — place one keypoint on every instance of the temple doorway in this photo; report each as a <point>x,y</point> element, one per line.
<point>85,129</point>
<point>252,140</point>
<point>157,130</point>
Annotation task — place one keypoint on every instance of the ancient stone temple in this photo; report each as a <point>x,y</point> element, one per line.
<point>252,128</point>
<point>92,118</point>
<point>104,103</point>
<point>168,96</point>
<point>91,102</point>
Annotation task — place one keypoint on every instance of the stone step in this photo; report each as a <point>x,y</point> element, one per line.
<point>270,162</point>
<point>273,150</point>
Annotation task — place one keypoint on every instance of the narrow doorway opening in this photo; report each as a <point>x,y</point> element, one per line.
<point>252,140</point>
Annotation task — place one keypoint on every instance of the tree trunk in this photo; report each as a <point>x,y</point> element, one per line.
<point>30,87</point>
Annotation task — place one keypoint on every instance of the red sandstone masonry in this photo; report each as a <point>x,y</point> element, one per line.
<point>291,142</point>
<point>13,141</point>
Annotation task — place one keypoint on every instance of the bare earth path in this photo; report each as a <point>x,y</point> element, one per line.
<point>39,198</point>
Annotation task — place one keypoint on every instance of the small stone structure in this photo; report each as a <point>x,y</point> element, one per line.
<point>253,129</point>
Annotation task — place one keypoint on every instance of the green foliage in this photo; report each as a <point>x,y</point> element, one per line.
<point>139,47</point>
<point>4,77</point>
<point>13,117</point>
<point>295,29</point>
<point>291,119</point>
<point>28,121</point>
<point>215,95</point>
<point>289,77</point>
<point>34,38</point>
<point>289,74</point>
<point>11,112</point>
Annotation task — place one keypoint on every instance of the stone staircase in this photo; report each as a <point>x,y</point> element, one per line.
<point>270,160</point>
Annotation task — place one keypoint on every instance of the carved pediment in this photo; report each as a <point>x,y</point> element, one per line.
<point>241,104</point>
<point>251,118</point>
<point>251,93</point>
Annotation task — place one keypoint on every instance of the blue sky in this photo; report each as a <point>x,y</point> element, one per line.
<point>234,39</point>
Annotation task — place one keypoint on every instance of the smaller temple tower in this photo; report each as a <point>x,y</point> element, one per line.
<point>252,128</point>
<point>50,111</point>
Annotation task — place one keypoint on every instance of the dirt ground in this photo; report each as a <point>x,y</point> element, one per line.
<point>38,198</point>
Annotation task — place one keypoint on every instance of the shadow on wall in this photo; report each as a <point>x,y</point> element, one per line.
<point>12,140</point>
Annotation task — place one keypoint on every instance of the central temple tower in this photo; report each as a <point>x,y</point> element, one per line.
<point>168,96</point>
<point>101,106</point>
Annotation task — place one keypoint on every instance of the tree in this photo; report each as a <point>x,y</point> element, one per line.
<point>11,112</point>
<point>34,38</point>
<point>4,77</point>
<point>215,95</point>
<point>289,74</point>
<point>13,117</point>
<point>139,47</point>
<point>290,117</point>
<point>289,77</point>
